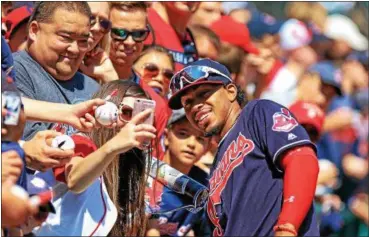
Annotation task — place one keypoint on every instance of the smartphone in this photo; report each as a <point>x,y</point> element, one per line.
<point>141,105</point>
<point>11,101</point>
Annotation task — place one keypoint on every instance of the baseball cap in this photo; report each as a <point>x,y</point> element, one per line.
<point>15,18</point>
<point>262,23</point>
<point>294,34</point>
<point>203,71</point>
<point>177,115</point>
<point>329,74</point>
<point>234,33</point>
<point>340,27</point>
<point>308,113</point>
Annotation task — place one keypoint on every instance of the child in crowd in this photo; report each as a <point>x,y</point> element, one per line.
<point>184,147</point>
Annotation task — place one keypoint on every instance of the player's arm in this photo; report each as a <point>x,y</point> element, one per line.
<point>300,166</point>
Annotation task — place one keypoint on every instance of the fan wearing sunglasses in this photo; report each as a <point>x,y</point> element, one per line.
<point>155,66</point>
<point>106,177</point>
<point>129,29</point>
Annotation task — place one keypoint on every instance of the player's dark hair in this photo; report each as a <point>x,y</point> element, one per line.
<point>125,177</point>
<point>44,10</point>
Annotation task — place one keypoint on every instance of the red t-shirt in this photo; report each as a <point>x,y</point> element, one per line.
<point>83,147</point>
<point>164,35</point>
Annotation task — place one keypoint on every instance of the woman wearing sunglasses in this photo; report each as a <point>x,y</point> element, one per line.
<point>106,178</point>
<point>155,66</point>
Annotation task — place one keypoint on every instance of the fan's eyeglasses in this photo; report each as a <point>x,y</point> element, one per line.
<point>191,74</point>
<point>152,70</point>
<point>104,23</point>
<point>122,34</point>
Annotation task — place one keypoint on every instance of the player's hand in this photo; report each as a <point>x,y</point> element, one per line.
<point>11,166</point>
<point>99,66</point>
<point>41,156</point>
<point>133,134</point>
<point>81,115</point>
<point>283,233</point>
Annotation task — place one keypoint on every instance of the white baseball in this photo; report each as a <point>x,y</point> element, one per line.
<point>106,114</point>
<point>63,142</point>
<point>19,192</point>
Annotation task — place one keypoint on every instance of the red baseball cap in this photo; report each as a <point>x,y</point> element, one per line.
<point>308,113</point>
<point>16,17</point>
<point>234,33</point>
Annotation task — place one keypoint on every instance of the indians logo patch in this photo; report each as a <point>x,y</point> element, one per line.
<point>283,121</point>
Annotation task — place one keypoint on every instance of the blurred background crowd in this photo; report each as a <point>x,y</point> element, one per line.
<point>311,57</point>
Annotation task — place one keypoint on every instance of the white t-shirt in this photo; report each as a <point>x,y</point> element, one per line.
<point>283,88</point>
<point>90,213</point>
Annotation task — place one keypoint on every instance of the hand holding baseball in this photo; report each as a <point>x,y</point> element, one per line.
<point>40,155</point>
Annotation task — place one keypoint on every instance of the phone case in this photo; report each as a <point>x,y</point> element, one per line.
<point>11,101</point>
<point>141,105</point>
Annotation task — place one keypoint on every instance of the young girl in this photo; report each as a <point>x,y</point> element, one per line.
<point>156,66</point>
<point>106,177</point>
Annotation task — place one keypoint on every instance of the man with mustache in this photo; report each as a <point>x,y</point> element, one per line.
<point>265,171</point>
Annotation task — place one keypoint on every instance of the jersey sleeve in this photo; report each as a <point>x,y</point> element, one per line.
<point>83,147</point>
<point>276,130</point>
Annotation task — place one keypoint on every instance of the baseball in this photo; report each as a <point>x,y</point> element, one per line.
<point>106,114</point>
<point>63,142</point>
<point>19,192</point>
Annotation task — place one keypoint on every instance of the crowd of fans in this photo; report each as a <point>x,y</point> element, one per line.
<point>64,58</point>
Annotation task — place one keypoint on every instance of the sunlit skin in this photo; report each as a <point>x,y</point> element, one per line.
<point>100,10</point>
<point>185,145</point>
<point>162,61</point>
<point>124,53</point>
<point>212,109</point>
<point>60,45</point>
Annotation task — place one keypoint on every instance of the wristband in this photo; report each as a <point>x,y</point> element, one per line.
<point>284,228</point>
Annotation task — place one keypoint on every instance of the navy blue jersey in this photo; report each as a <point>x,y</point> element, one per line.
<point>246,185</point>
<point>178,223</point>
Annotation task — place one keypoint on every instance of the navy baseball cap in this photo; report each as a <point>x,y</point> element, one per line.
<point>329,74</point>
<point>262,23</point>
<point>204,71</point>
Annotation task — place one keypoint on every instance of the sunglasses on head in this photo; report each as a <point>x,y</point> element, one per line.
<point>152,70</point>
<point>122,34</point>
<point>191,74</point>
<point>104,23</point>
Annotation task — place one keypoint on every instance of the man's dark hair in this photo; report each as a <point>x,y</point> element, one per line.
<point>199,31</point>
<point>44,11</point>
<point>128,6</point>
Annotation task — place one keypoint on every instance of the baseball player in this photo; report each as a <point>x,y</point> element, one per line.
<point>264,174</point>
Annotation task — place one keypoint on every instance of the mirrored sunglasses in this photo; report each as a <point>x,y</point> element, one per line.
<point>122,34</point>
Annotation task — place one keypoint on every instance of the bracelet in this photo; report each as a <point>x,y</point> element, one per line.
<point>284,228</point>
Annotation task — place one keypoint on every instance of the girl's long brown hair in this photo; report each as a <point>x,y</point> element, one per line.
<point>125,177</point>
